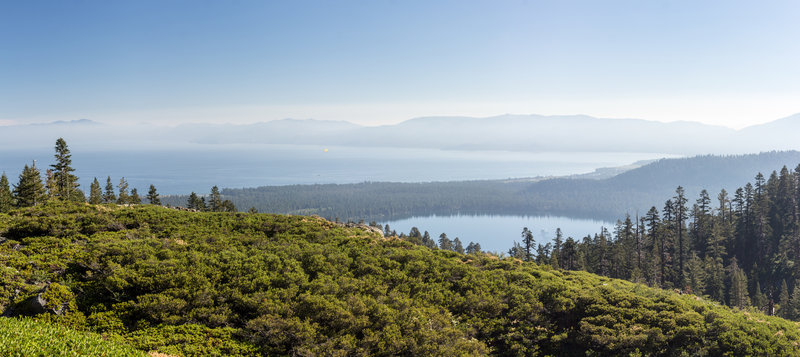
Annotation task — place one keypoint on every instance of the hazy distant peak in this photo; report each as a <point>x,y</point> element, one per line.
<point>315,121</point>
<point>70,122</point>
<point>792,121</point>
<point>687,123</point>
<point>310,123</point>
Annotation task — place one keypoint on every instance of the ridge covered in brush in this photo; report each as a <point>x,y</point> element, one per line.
<point>206,283</point>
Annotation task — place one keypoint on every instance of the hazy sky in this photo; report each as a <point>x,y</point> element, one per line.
<point>727,62</point>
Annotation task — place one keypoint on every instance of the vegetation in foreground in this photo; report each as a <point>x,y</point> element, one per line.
<point>28,337</point>
<point>206,283</point>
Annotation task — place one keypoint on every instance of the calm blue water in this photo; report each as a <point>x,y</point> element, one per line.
<point>186,168</point>
<point>498,233</point>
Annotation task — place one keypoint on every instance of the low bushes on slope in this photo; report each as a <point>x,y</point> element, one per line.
<point>248,284</point>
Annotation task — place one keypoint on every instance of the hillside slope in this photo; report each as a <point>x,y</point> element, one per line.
<point>255,284</point>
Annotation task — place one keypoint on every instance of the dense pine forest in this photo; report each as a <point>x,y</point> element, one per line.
<point>607,198</point>
<point>740,248</point>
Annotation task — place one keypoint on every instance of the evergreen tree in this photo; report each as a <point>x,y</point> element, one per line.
<point>667,242</point>
<point>794,302</point>
<point>6,197</point>
<point>759,299</point>
<point>656,247</point>
<point>415,233</point>
<point>430,242</point>
<point>50,184</point>
<point>569,255</point>
<point>426,237</point>
<point>457,246</point>
<point>196,202</point>
<point>109,196</point>
<point>30,189</point>
<point>696,275</point>
<point>558,242</point>
<point>701,228</point>
<point>680,217</point>
<point>135,199</point>
<point>715,278</point>
<point>65,182</point>
<point>190,202</point>
<point>215,200</point>
<point>783,300</point>
<point>95,193</point>
<point>445,243</point>
<point>123,197</point>
<point>517,251</point>
<point>527,242</point>
<point>543,253</point>
<point>252,210</point>
<point>738,296</point>
<point>228,206</point>
<point>152,196</point>
<point>473,248</point>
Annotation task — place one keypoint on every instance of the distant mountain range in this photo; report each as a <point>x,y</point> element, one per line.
<point>534,133</point>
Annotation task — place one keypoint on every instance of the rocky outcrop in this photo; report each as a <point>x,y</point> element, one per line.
<point>363,227</point>
<point>54,299</point>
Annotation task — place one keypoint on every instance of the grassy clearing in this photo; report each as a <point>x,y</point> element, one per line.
<point>27,337</point>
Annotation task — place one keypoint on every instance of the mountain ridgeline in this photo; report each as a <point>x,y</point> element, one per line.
<point>630,192</point>
<point>531,133</point>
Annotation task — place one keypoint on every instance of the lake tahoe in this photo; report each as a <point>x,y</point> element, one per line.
<point>184,168</point>
<point>498,233</point>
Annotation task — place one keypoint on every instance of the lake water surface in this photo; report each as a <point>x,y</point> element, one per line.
<point>185,168</point>
<point>498,233</point>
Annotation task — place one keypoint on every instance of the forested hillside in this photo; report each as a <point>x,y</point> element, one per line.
<point>630,192</point>
<point>741,248</point>
<point>205,283</point>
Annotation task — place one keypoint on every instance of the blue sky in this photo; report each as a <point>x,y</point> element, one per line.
<point>732,63</point>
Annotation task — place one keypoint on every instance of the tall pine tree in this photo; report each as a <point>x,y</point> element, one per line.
<point>445,243</point>
<point>215,200</point>
<point>152,196</point>
<point>738,295</point>
<point>783,299</point>
<point>95,192</point>
<point>123,197</point>
<point>527,242</point>
<point>6,197</point>
<point>109,196</point>
<point>135,199</point>
<point>65,182</point>
<point>680,217</point>
<point>30,189</point>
